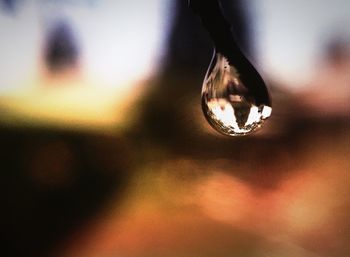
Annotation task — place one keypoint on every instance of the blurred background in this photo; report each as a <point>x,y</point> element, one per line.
<point>104,150</point>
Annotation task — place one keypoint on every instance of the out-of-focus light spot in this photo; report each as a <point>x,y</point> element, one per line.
<point>121,41</point>
<point>19,48</point>
<point>291,35</point>
<point>310,203</point>
<point>225,198</point>
<point>71,103</point>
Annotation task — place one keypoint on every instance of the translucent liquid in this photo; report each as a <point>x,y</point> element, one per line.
<point>229,106</point>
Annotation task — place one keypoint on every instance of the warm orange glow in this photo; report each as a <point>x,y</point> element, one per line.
<point>71,102</point>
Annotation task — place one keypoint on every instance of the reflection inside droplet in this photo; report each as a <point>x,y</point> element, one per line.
<point>228,104</point>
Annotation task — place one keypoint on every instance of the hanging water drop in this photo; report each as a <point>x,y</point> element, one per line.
<point>230,106</point>
<point>235,100</point>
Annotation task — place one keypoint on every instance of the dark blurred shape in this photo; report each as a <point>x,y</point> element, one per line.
<point>337,51</point>
<point>52,163</point>
<point>189,45</point>
<point>52,182</point>
<point>62,50</point>
<point>9,5</point>
<point>220,29</point>
<point>237,14</point>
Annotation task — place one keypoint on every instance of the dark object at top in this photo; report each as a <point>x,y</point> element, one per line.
<point>214,21</point>
<point>8,5</point>
<point>219,29</point>
<point>61,50</point>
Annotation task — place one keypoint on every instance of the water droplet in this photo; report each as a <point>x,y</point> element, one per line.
<point>235,100</point>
